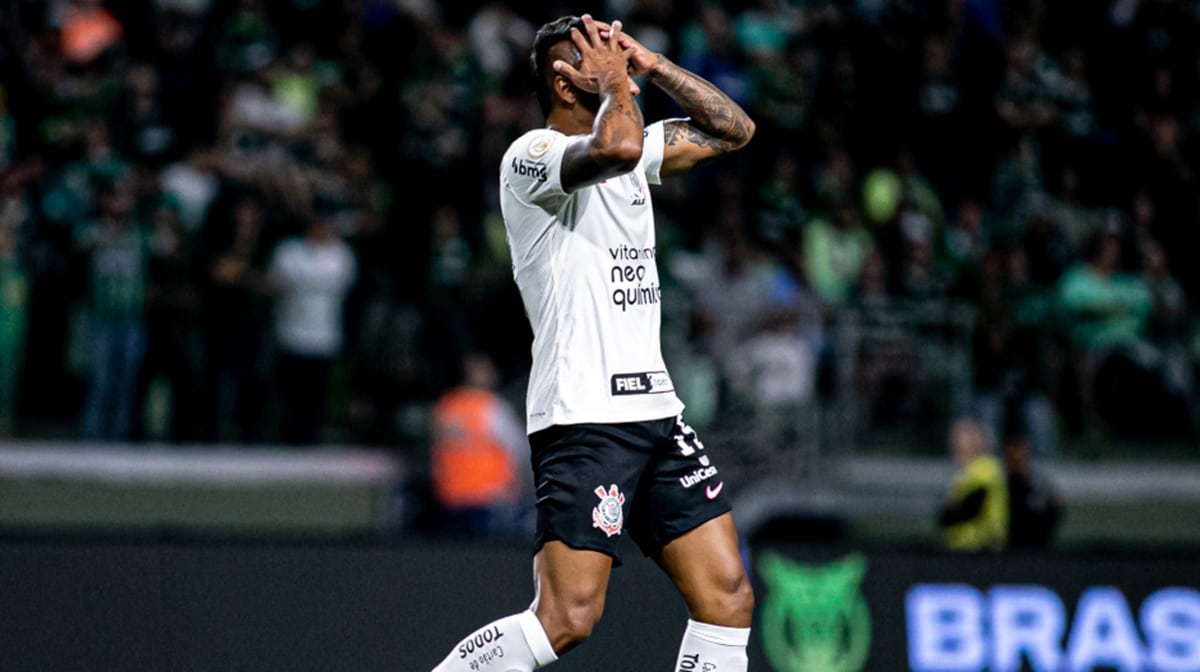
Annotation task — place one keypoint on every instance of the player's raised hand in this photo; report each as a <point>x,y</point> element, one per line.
<point>603,62</point>
<point>641,59</point>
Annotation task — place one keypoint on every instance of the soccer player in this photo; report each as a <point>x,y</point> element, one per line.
<point>610,450</point>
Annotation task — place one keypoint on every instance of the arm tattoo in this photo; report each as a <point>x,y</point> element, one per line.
<point>627,109</point>
<point>618,114</point>
<point>679,131</point>
<point>712,112</point>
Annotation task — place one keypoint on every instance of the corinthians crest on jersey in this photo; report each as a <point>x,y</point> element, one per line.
<point>608,515</point>
<point>637,193</point>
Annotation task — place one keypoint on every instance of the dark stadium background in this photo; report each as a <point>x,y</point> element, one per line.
<point>952,209</point>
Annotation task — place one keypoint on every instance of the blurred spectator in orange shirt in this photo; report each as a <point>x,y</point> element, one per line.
<point>88,30</point>
<point>479,455</point>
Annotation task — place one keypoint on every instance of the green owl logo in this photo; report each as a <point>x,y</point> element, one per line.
<point>814,617</point>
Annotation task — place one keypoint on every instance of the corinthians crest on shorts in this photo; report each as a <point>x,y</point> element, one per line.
<point>608,515</point>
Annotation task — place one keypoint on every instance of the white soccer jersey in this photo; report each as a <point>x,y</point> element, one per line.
<point>585,265</point>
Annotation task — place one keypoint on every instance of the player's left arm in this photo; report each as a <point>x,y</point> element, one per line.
<point>714,127</point>
<point>715,124</point>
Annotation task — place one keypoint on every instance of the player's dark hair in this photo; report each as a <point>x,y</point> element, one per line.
<point>549,35</point>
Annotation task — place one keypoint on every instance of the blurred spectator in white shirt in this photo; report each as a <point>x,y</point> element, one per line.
<point>312,275</point>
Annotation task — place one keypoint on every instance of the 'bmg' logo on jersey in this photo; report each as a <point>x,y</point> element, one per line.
<point>534,169</point>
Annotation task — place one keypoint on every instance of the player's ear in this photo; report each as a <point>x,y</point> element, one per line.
<point>566,90</point>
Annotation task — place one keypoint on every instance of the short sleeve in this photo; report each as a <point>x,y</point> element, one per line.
<point>532,168</point>
<point>653,145</point>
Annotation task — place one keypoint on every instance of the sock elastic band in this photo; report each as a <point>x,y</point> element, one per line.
<point>719,634</point>
<point>535,637</point>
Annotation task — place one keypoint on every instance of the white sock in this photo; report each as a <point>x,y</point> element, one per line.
<point>713,648</point>
<point>514,643</point>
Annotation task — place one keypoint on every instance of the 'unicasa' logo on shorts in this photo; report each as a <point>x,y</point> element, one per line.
<point>814,617</point>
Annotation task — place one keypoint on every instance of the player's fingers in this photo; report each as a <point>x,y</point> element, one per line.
<point>574,76</point>
<point>614,36</point>
<point>589,24</point>
<point>580,41</point>
<point>565,69</point>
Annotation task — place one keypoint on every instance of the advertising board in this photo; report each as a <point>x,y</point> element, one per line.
<point>845,610</point>
<point>157,605</point>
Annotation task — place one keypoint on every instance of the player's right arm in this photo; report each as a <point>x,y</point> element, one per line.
<point>614,145</point>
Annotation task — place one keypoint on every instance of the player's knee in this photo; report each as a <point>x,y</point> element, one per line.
<point>729,602</point>
<point>578,622</point>
<point>569,622</point>
<point>737,598</point>
<point>741,601</point>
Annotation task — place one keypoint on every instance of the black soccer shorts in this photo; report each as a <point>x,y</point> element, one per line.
<point>595,481</point>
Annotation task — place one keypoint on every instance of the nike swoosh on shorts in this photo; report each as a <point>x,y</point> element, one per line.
<point>712,492</point>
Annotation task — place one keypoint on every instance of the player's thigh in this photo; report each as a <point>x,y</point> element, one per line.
<point>705,564</point>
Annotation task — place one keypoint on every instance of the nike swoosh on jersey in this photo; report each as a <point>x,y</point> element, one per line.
<point>712,491</point>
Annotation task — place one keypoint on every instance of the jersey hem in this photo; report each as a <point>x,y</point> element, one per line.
<point>643,415</point>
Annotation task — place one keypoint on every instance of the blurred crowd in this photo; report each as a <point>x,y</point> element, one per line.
<point>277,220</point>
